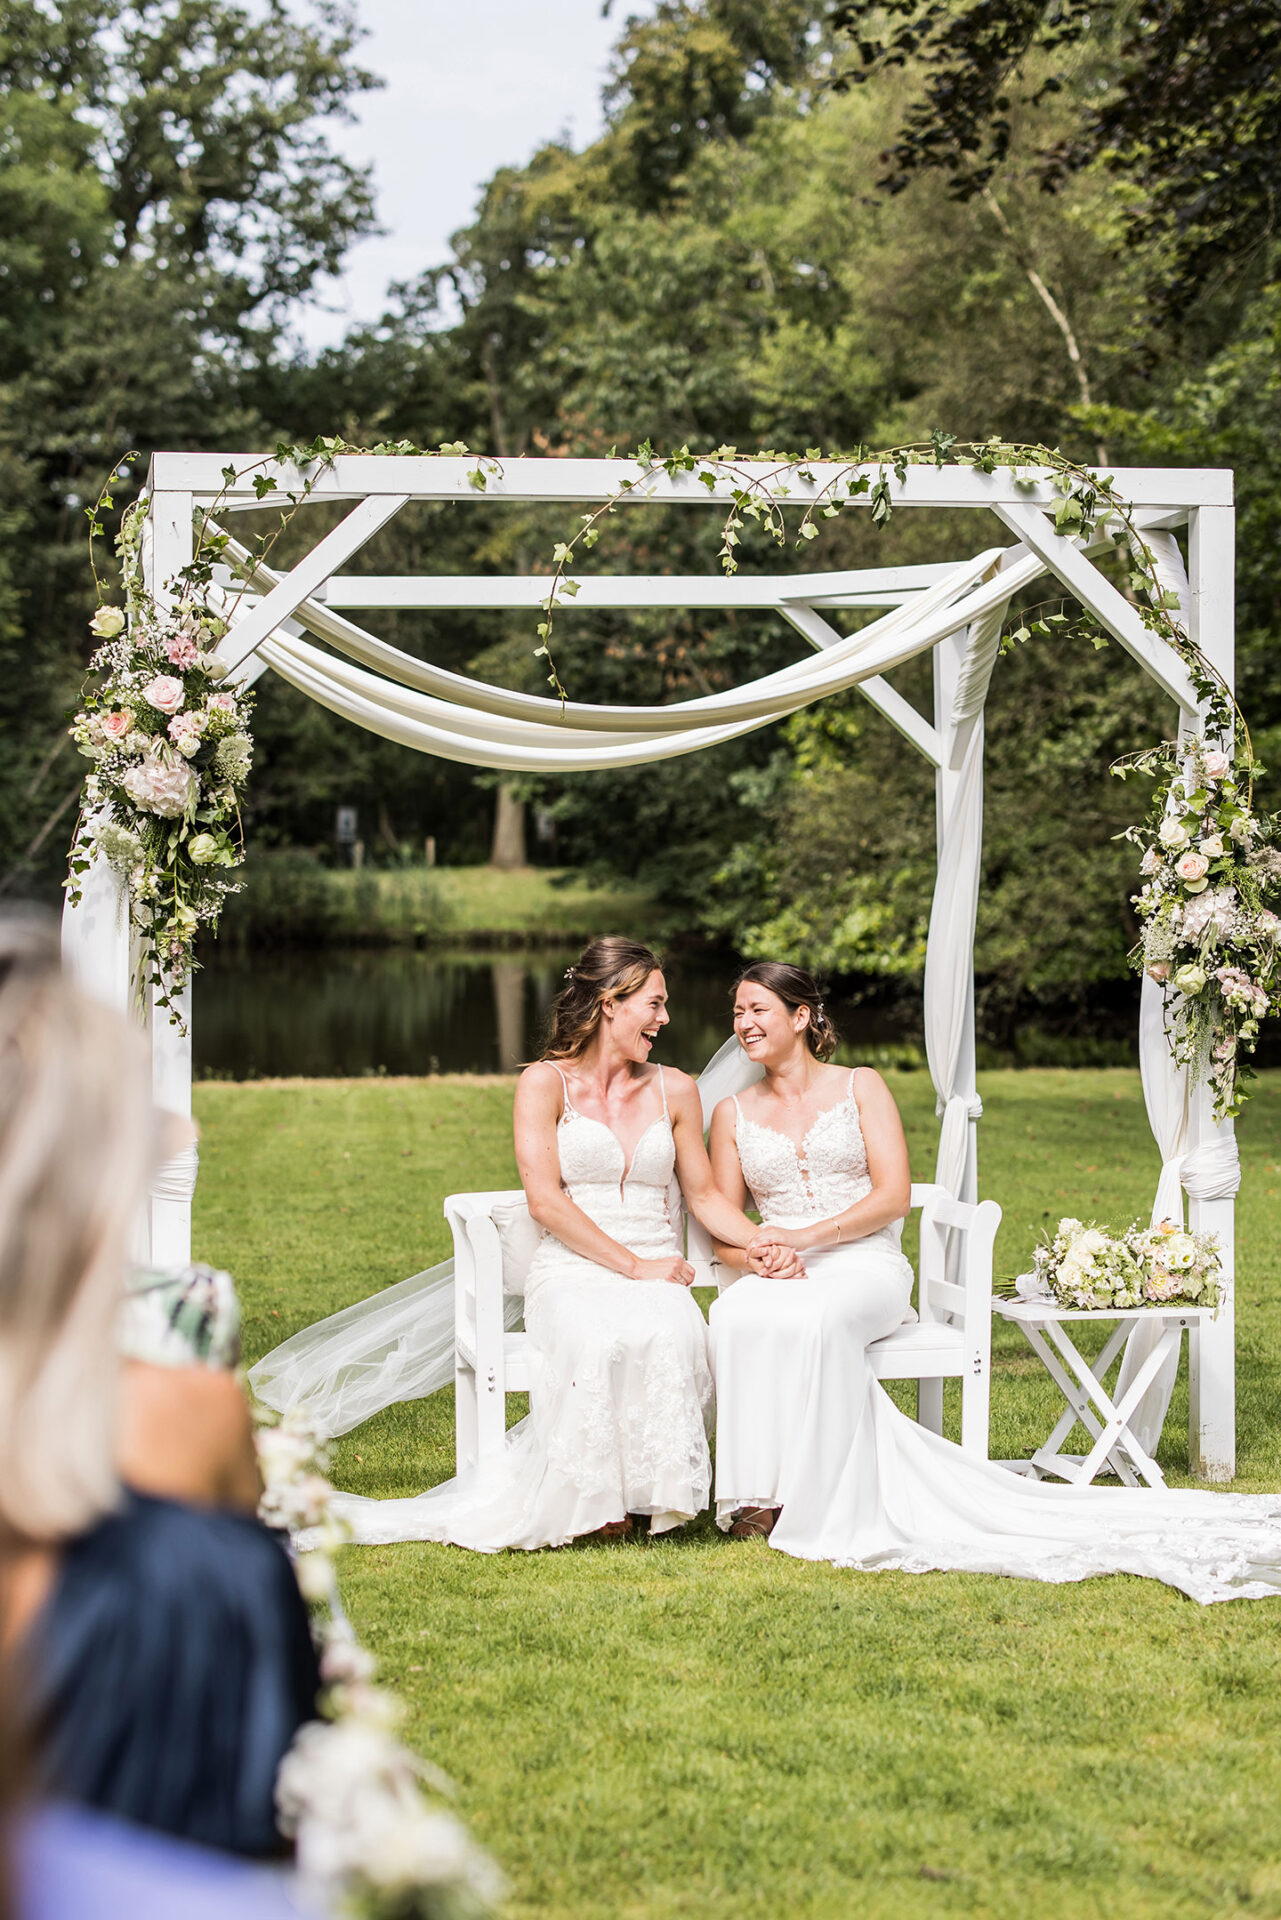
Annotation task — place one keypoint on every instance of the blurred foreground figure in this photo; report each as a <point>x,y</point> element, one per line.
<point>161,1645</point>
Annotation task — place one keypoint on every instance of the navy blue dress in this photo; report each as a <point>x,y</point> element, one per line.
<point>170,1669</point>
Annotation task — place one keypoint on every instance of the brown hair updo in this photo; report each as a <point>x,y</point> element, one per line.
<point>795,988</point>
<point>611,966</point>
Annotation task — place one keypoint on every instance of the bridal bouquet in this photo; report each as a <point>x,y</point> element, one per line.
<point>1085,1267</point>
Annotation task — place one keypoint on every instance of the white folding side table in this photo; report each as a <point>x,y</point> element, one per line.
<point>1045,1326</point>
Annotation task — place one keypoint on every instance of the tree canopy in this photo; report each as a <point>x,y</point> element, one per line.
<point>755,251</point>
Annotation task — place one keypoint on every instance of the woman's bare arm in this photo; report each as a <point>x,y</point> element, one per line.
<point>538,1104</point>
<point>185,1433</point>
<point>713,1205</point>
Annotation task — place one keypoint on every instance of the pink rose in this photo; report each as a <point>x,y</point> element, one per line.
<point>1159,970</point>
<point>160,786</point>
<point>1217,765</point>
<point>164,693</point>
<point>1192,866</point>
<point>116,725</point>
<point>181,650</point>
<point>221,703</point>
<point>189,722</point>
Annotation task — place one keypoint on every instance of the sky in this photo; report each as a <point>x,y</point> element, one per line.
<point>472,85</point>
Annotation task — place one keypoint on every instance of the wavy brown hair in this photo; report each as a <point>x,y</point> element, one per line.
<point>795,988</point>
<point>611,968</point>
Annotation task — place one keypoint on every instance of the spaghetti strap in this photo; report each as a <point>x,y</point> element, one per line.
<point>849,1091</point>
<point>569,1106</point>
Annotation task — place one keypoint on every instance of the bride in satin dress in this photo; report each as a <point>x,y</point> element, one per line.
<point>810,1449</point>
<point>620,1386</point>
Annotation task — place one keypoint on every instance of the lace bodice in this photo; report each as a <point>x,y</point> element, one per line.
<point>631,1203</point>
<point>793,1185</point>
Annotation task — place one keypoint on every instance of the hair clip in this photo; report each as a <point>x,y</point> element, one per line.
<point>570,974</point>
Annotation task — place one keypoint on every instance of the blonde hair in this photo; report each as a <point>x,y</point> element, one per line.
<point>78,1135</point>
<point>610,968</point>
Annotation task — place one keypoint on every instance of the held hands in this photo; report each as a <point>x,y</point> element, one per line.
<point>671,1268</point>
<point>774,1259</point>
<point>783,1239</point>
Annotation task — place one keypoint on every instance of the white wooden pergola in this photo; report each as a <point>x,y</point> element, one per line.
<point>955,609</point>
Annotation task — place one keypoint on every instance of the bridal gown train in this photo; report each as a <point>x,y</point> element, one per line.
<point>802,1424</point>
<point>620,1386</point>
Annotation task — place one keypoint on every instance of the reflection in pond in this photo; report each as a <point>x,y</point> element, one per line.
<point>356,1011</point>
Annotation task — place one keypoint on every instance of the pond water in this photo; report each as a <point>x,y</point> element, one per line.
<point>359,1011</point>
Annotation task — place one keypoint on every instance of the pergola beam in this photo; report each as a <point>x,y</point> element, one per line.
<point>864,587</point>
<point>447,477</point>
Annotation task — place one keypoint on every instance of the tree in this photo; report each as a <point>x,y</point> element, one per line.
<point>1181,98</point>
<point>169,188</point>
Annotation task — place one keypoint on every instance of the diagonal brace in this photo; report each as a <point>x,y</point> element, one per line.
<point>899,712</point>
<point>1065,559</point>
<point>360,525</point>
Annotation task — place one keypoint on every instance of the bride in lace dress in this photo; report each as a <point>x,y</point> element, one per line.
<point>620,1387</point>
<point>810,1449</point>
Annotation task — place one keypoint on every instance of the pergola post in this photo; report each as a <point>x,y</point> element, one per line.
<point>1212,1358</point>
<point>165,553</point>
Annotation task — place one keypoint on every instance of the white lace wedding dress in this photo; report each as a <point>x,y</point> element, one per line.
<point>803,1425</point>
<point>620,1386</point>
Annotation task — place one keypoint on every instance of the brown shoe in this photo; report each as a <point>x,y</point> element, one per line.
<point>754,1523</point>
<point>614,1530</point>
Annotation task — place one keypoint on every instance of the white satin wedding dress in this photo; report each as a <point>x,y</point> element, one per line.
<point>620,1386</point>
<point>802,1424</point>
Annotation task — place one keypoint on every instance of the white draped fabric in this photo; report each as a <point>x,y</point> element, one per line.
<point>955,909</point>
<point>457,718</point>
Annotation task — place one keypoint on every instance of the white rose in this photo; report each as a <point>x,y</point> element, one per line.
<point>1172,833</point>
<point>1190,979</point>
<point>1180,1252</point>
<point>107,623</point>
<point>1212,846</point>
<point>203,849</point>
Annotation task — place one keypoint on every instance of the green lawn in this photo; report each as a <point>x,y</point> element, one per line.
<point>704,1728</point>
<point>477,906</point>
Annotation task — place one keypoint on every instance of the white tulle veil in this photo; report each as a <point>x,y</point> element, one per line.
<point>399,1344</point>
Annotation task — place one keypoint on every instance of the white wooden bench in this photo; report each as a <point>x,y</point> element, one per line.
<point>494,1240</point>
